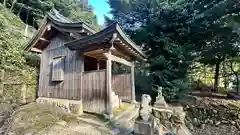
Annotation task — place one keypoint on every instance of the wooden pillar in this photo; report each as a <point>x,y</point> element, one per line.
<point>81,62</point>
<point>109,83</point>
<point>98,64</point>
<point>133,82</point>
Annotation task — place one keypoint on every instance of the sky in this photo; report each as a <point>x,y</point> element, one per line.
<point>101,8</point>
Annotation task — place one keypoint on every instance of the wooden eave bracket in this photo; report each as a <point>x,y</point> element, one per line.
<point>117,59</point>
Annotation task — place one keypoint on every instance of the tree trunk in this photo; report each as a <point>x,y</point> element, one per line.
<point>225,76</point>
<point>216,77</point>
<point>237,85</point>
<point>236,75</point>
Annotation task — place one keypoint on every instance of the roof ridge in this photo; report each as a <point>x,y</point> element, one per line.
<point>57,16</point>
<point>54,15</point>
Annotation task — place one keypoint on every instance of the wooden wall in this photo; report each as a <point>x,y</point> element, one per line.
<point>94,91</point>
<point>90,86</point>
<point>70,87</point>
<point>121,85</point>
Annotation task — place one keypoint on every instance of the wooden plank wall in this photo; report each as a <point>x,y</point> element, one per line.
<point>94,91</point>
<point>121,85</point>
<point>70,87</point>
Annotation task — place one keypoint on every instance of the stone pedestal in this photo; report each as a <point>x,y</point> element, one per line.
<point>161,109</point>
<point>144,128</point>
<point>144,125</point>
<point>160,102</point>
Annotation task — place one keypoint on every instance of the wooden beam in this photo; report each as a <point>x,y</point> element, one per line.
<point>109,83</point>
<point>36,50</point>
<point>45,40</point>
<point>118,59</point>
<point>133,82</point>
<point>95,52</point>
<point>98,65</point>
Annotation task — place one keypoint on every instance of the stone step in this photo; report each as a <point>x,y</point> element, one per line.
<point>130,115</point>
<point>125,123</point>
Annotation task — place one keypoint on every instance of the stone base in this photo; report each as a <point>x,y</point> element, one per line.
<point>73,106</point>
<point>160,103</point>
<point>144,128</point>
<point>108,116</point>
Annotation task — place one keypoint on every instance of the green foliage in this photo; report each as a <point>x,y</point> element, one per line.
<point>76,11</point>
<point>176,33</point>
<point>11,40</point>
<point>32,59</point>
<point>33,11</point>
<point>12,60</point>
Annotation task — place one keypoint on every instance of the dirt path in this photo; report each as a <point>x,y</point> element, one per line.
<point>6,110</point>
<point>37,119</point>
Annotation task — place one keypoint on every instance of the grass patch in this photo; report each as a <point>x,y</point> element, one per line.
<point>123,107</point>
<point>94,116</point>
<point>7,109</point>
<point>34,117</point>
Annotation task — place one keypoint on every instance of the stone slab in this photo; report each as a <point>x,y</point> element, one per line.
<point>73,106</point>
<point>143,128</point>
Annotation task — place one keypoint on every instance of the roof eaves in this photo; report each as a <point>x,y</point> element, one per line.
<point>126,38</point>
<point>60,20</point>
<point>105,31</point>
<point>37,35</point>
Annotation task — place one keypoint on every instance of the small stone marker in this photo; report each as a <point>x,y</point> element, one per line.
<point>160,100</point>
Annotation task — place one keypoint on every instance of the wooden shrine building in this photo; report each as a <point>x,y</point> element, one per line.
<point>76,63</point>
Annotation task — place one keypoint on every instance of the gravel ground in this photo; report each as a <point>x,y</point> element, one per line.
<point>5,112</point>
<point>215,116</point>
<point>220,130</point>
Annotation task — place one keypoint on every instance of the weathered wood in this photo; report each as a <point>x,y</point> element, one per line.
<point>121,85</point>
<point>70,87</point>
<point>133,81</point>
<point>109,82</point>
<point>118,59</point>
<point>58,69</point>
<point>110,35</point>
<point>94,91</point>
<point>36,50</point>
<point>43,39</point>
